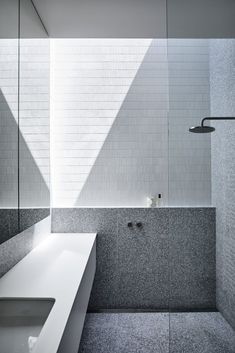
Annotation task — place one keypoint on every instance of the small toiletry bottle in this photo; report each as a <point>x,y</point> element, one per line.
<point>159,200</point>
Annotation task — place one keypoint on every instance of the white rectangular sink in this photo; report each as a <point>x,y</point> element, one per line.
<point>61,267</point>
<point>21,321</point>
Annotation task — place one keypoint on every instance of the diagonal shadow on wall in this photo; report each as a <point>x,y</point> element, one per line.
<point>132,163</point>
<point>29,175</point>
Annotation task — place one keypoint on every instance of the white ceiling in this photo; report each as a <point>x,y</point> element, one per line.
<point>103,18</point>
<point>138,18</point>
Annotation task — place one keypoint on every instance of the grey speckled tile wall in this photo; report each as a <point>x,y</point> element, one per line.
<point>143,271</point>
<point>14,249</point>
<point>14,220</point>
<point>170,260</point>
<point>31,216</point>
<point>223,172</point>
<point>9,223</point>
<point>192,258</point>
<point>125,332</point>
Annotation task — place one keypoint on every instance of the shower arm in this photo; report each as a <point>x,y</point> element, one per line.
<point>216,118</point>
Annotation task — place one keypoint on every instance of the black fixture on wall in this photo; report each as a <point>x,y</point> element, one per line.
<point>205,128</point>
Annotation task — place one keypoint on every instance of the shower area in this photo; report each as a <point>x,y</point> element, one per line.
<point>118,119</point>
<point>122,112</point>
<point>125,92</point>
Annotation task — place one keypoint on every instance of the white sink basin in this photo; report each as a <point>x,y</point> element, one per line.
<point>62,267</point>
<point>21,321</point>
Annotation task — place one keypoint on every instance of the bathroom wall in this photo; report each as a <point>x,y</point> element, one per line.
<point>168,263</point>
<point>8,123</point>
<point>13,250</point>
<point>34,123</point>
<point>31,162</point>
<point>222,79</point>
<point>113,102</point>
<point>110,121</point>
<point>189,171</point>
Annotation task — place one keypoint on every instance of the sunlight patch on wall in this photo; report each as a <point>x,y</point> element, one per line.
<point>90,79</point>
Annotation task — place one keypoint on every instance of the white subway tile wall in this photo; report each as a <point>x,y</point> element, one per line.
<point>8,123</point>
<point>34,163</point>
<point>189,102</point>
<point>111,99</point>
<point>33,121</point>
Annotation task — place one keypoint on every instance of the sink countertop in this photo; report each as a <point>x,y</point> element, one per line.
<point>54,269</point>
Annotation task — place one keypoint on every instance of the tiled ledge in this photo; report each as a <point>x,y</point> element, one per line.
<point>169,261</point>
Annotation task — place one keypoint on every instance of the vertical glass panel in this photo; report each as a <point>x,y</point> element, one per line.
<point>201,189</point>
<point>9,13</point>
<point>110,149</point>
<point>34,196</point>
<point>222,87</point>
<point>189,103</point>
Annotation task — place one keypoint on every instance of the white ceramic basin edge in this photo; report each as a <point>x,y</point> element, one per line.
<point>53,272</point>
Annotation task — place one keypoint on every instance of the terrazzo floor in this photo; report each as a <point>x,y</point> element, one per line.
<point>149,333</point>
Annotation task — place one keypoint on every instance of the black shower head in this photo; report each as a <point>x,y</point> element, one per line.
<point>205,128</point>
<point>201,129</point>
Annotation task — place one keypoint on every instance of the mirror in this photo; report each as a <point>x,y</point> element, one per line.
<point>9,189</point>
<point>34,134</point>
<point>24,118</point>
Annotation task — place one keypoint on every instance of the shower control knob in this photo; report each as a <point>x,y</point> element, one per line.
<point>129,224</point>
<point>139,224</point>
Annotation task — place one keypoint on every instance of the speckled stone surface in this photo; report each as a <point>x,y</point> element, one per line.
<point>192,258</point>
<point>158,333</point>
<point>14,221</point>
<point>14,249</point>
<point>104,222</point>
<point>201,333</point>
<point>143,259</point>
<point>121,333</point>
<point>9,224</point>
<point>30,216</point>
<point>223,171</point>
<point>170,260</point>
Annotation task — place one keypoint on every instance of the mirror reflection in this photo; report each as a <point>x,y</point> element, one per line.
<point>24,118</point>
<point>9,188</point>
<point>34,167</point>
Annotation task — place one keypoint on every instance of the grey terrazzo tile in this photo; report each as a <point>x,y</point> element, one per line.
<point>104,222</point>
<point>145,248</point>
<point>195,294</point>
<point>157,333</point>
<point>104,292</point>
<point>13,222</point>
<point>226,304</point>
<point>192,257</point>
<point>201,333</point>
<point>4,225</point>
<point>99,334</point>
<point>143,264</point>
<point>99,340</point>
<point>136,266</point>
<point>13,250</point>
<point>30,216</point>
<point>223,172</point>
<point>143,290</point>
<point>9,226</point>
<point>84,220</point>
<point>125,333</point>
<point>143,333</point>
<point>98,320</point>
